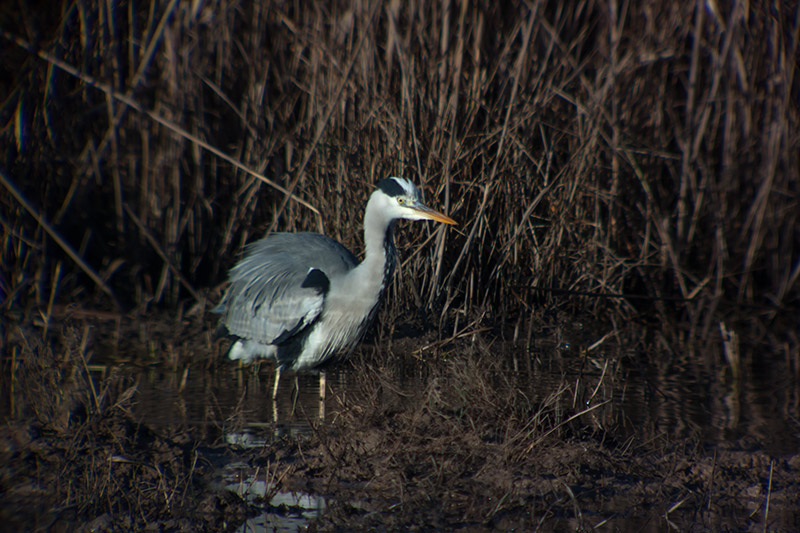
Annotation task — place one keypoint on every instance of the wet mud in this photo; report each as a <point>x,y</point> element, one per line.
<point>457,437</point>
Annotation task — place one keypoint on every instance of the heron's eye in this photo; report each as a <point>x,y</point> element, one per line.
<point>401,201</point>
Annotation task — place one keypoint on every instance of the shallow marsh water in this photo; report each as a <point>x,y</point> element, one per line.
<point>475,434</point>
<point>758,410</point>
<point>621,398</point>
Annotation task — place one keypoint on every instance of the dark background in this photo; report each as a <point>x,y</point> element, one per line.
<point>587,147</point>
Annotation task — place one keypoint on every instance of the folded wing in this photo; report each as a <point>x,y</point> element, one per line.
<point>278,289</point>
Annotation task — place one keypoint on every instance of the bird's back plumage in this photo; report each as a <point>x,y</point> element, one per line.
<point>278,289</point>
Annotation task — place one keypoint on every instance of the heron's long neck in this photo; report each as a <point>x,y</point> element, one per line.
<point>375,271</point>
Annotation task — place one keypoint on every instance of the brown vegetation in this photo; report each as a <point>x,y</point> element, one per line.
<point>475,451</point>
<point>593,147</point>
<point>472,444</point>
<point>609,163</point>
<point>74,458</point>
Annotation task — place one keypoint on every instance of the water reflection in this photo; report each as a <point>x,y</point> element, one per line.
<point>234,404</point>
<point>755,411</point>
<point>284,511</point>
<point>624,397</point>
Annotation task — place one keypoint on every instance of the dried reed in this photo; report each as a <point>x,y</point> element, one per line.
<point>592,147</point>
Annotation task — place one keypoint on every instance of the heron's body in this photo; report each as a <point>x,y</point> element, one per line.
<point>302,298</point>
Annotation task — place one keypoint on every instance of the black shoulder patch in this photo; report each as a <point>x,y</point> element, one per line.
<point>287,334</point>
<point>391,187</point>
<point>316,279</point>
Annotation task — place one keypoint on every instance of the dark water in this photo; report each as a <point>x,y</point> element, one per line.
<point>760,411</point>
<point>232,407</point>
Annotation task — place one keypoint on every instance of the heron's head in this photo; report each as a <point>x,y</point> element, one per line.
<point>401,199</point>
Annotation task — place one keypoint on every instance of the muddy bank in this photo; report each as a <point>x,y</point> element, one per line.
<point>574,484</point>
<point>75,459</point>
<point>467,453</point>
<point>466,444</point>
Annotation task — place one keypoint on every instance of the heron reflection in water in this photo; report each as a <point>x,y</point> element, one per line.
<point>303,298</point>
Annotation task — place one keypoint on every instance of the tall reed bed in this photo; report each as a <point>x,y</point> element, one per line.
<point>587,148</point>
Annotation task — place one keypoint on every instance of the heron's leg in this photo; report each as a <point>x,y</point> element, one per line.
<point>323,381</point>
<point>275,394</point>
<point>277,380</point>
<point>296,393</point>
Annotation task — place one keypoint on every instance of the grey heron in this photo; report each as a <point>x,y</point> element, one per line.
<point>303,298</point>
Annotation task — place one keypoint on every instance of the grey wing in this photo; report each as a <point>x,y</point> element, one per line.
<point>279,287</point>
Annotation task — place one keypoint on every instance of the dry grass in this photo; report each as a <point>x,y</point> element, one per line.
<point>476,443</point>
<point>595,147</point>
<point>473,446</point>
<point>73,455</point>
